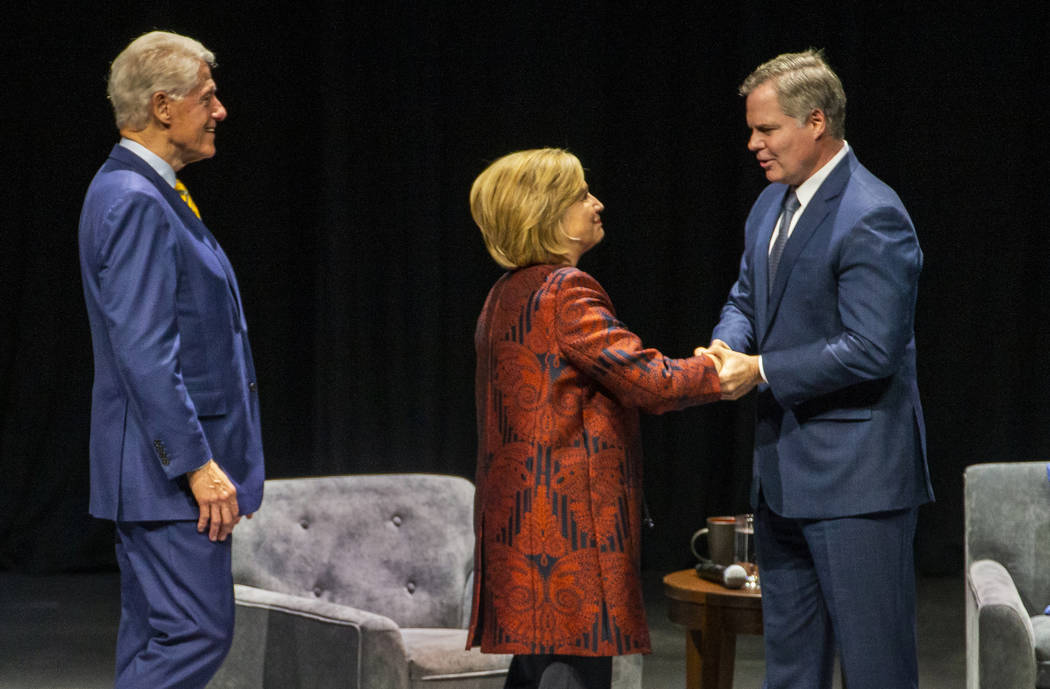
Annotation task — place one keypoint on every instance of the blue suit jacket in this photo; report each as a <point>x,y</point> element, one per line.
<point>174,378</point>
<point>839,427</point>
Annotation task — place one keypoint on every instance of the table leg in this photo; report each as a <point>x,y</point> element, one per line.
<point>712,650</point>
<point>726,657</point>
<point>709,656</point>
<point>694,662</point>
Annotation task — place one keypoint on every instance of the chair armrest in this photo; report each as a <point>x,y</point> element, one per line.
<point>1000,643</point>
<point>290,642</point>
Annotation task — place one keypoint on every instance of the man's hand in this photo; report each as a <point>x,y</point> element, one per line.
<point>716,351</point>
<point>217,497</point>
<point>738,374</point>
<point>704,351</point>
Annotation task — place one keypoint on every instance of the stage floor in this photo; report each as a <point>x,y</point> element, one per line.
<point>58,632</point>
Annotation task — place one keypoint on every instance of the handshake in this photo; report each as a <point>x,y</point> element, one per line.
<point>738,373</point>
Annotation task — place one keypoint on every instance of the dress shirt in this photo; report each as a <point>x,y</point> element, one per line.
<point>807,190</point>
<point>155,161</point>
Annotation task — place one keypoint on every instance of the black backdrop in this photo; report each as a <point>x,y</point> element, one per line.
<point>340,187</point>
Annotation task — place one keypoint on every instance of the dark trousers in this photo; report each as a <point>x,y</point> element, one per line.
<point>846,583</point>
<point>176,599</point>
<point>559,672</point>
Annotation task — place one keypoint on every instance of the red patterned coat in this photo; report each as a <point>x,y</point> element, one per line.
<point>559,482</point>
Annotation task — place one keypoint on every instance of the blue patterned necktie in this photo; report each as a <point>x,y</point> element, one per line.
<point>790,205</point>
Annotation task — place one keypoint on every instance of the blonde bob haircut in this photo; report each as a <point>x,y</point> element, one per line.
<point>519,201</point>
<point>156,61</point>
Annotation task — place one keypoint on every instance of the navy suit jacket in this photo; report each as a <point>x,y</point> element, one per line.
<point>174,379</point>
<point>839,427</point>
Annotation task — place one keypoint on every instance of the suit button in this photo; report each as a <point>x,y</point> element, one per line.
<point>252,386</point>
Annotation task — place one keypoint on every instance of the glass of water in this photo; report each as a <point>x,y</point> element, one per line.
<point>744,549</point>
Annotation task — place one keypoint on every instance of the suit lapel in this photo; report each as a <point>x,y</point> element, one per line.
<point>813,216</point>
<point>126,158</point>
<point>767,222</point>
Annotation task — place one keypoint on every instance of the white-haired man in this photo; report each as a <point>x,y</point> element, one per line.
<point>176,451</point>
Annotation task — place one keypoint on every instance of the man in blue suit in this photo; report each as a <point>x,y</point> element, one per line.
<point>176,451</point>
<point>820,320</point>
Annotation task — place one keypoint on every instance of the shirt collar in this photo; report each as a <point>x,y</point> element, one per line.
<point>807,189</point>
<point>155,161</point>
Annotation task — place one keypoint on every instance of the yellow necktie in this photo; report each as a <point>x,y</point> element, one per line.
<point>185,194</point>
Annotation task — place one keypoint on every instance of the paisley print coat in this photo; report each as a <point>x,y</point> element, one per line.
<point>557,516</point>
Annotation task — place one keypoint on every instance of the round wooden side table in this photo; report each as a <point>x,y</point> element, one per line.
<point>713,615</point>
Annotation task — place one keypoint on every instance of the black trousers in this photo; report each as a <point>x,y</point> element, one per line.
<point>559,672</point>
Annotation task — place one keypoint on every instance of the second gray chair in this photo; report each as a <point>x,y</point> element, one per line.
<point>1007,576</point>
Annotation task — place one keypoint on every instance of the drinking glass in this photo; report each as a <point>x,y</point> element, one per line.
<point>744,550</point>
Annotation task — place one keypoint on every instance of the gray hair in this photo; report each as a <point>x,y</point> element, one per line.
<point>156,61</point>
<point>803,83</point>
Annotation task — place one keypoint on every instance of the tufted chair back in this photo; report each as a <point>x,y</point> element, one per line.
<point>1007,517</point>
<point>400,545</point>
<point>1008,521</point>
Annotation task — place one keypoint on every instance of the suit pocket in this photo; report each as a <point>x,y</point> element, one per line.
<point>208,402</point>
<point>853,403</point>
<point>841,414</point>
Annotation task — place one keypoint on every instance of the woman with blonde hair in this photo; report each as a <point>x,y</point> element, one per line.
<point>559,383</point>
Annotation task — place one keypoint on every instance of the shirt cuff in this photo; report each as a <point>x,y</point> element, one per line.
<point>761,370</point>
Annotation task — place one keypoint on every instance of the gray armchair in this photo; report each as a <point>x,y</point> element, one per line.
<point>1007,576</point>
<point>362,582</point>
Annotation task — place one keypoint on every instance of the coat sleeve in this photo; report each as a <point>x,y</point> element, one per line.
<point>597,343</point>
<point>878,272</point>
<point>736,322</point>
<point>138,279</point>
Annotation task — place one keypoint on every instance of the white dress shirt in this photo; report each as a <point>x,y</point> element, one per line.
<point>155,161</point>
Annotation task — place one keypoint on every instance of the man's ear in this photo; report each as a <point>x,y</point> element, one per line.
<point>817,122</point>
<point>160,106</point>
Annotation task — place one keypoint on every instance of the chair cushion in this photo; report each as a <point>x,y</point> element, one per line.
<point>1041,630</point>
<point>438,654</point>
